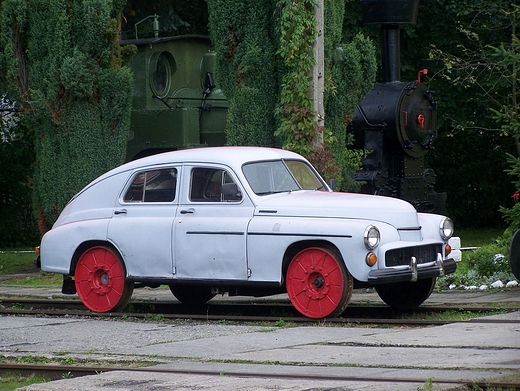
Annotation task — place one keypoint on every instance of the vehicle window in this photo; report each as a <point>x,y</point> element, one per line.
<point>212,185</point>
<point>153,186</point>
<point>281,176</point>
<point>304,175</point>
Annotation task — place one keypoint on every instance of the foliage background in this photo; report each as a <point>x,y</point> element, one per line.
<point>243,34</point>
<point>62,63</point>
<point>61,70</point>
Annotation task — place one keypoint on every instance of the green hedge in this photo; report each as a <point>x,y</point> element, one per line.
<point>242,33</point>
<point>78,94</point>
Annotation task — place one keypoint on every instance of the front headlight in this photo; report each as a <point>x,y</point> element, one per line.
<point>446,228</point>
<point>371,237</point>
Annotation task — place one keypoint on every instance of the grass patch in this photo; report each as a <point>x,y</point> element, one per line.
<point>12,262</point>
<point>17,268</point>
<point>473,237</point>
<point>12,381</point>
<point>452,315</point>
<point>35,279</point>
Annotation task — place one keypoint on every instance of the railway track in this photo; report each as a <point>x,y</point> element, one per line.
<point>262,312</point>
<point>54,372</point>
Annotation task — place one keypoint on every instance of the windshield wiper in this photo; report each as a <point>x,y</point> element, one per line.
<point>274,192</point>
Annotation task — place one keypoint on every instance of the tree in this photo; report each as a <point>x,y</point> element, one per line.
<point>265,57</point>
<point>508,56</point>
<point>476,89</point>
<point>64,64</point>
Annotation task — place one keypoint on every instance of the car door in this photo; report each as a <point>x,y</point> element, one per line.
<point>210,231</point>
<point>142,224</point>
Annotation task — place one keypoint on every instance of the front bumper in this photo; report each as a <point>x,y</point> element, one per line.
<point>412,272</point>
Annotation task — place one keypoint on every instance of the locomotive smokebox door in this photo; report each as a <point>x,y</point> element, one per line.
<point>417,119</point>
<point>405,112</point>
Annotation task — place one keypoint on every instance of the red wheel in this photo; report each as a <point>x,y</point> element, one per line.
<point>318,283</point>
<point>100,280</point>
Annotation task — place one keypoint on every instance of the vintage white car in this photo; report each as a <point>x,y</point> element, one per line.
<point>245,221</point>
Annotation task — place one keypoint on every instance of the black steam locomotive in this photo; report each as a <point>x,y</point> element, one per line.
<point>396,121</point>
<point>178,104</point>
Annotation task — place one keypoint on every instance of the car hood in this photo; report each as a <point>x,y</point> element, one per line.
<point>308,203</point>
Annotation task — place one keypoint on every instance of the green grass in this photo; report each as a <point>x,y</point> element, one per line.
<point>11,381</point>
<point>12,262</point>
<point>19,269</point>
<point>473,237</point>
<point>36,279</point>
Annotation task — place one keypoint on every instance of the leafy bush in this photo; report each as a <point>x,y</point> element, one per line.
<point>485,265</point>
<point>489,259</point>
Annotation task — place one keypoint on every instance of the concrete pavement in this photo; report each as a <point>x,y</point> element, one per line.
<point>221,356</point>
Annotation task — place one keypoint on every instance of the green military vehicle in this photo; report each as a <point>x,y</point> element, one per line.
<point>177,103</point>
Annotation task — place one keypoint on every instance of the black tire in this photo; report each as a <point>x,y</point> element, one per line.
<point>514,254</point>
<point>404,296</point>
<point>192,296</point>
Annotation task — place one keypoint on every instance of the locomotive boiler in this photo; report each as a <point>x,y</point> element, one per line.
<point>177,103</point>
<point>396,121</point>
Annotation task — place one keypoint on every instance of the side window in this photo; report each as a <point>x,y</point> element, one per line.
<point>153,186</point>
<point>213,185</point>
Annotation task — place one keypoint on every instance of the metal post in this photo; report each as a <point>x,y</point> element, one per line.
<point>318,80</point>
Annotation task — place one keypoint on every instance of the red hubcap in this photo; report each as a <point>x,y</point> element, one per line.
<point>99,279</point>
<point>316,283</point>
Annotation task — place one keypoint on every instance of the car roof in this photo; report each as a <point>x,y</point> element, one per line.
<point>231,156</point>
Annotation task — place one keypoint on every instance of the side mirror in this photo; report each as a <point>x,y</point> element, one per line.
<point>332,184</point>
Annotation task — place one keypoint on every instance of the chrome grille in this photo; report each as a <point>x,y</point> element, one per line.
<point>402,256</point>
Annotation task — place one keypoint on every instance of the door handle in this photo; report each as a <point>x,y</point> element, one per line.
<point>120,212</point>
<point>187,211</point>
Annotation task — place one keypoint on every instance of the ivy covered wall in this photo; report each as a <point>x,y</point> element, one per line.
<point>66,66</point>
<point>351,68</point>
<point>242,32</point>
<point>265,54</point>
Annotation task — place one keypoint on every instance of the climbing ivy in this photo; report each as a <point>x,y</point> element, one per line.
<point>242,33</point>
<point>353,71</point>
<point>349,74</point>
<point>297,32</point>
<point>74,90</point>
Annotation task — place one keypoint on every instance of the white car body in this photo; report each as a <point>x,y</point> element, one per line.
<point>240,243</point>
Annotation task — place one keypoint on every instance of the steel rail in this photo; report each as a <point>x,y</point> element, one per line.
<point>274,305</point>
<point>245,318</point>
<point>57,371</point>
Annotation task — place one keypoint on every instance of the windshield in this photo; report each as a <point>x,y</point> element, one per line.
<point>281,176</point>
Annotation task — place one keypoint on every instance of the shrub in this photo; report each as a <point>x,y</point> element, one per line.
<point>484,265</point>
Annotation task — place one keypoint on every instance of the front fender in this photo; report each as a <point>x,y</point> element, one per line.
<point>269,237</point>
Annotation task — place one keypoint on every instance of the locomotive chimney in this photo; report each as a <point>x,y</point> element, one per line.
<point>390,15</point>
